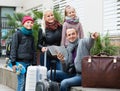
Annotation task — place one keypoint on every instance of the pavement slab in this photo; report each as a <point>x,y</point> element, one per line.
<point>5,88</point>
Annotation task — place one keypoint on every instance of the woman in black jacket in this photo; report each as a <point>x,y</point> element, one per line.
<point>49,35</point>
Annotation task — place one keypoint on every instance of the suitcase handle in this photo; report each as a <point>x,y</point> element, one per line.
<point>45,58</point>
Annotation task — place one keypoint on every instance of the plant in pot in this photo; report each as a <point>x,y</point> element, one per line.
<point>103,45</point>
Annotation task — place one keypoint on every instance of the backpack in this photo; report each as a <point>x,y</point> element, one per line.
<point>9,42</point>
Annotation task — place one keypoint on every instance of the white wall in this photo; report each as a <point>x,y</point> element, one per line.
<point>93,20</point>
<point>11,3</point>
<point>32,4</point>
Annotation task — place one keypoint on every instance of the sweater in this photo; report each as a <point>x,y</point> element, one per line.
<point>66,25</point>
<point>83,49</point>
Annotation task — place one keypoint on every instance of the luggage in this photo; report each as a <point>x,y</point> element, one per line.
<point>47,84</point>
<point>54,86</point>
<point>34,74</point>
<point>101,71</point>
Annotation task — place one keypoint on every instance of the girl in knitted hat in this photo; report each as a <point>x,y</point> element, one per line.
<point>71,21</point>
<point>23,49</point>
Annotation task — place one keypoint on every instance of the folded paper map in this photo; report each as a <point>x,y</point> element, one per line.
<point>54,49</point>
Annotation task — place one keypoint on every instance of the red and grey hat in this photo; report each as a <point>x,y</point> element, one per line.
<point>26,18</point>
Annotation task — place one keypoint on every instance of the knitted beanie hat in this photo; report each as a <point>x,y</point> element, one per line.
<point>26,18</point>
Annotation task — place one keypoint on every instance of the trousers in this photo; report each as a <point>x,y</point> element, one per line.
<point>66,80</point>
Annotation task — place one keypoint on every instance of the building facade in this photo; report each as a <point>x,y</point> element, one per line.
<point>95,15</point>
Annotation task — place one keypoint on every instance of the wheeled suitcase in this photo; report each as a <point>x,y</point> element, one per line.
<point>34,74</point>
<point>101,71</point>
<point>54,86</point>
<point>47,84</point>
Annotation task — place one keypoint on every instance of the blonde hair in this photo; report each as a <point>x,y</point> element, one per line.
<point>47,10</point>
<point>66,8</point>
<point>43,26</point>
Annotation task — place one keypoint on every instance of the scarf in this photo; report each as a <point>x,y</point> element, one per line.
<point>52,26</point>
<point>70,48</point>
<point>26,31</point>
<point>71,20</point>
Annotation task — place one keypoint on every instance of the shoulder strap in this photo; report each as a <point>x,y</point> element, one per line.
<point>19,35</point>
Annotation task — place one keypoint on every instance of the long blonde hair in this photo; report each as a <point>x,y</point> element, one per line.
<point>43,25</point>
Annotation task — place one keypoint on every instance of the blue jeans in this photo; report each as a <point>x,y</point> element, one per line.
<point>22,78</point>
<point>66,80</point>
<point>49,62</point>
<point>21,82</point>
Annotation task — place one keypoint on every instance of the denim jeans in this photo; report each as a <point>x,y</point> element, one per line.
<point>66,80</point>
<point>49,61</point>
<point>22,78</point>
<point>21,82</point>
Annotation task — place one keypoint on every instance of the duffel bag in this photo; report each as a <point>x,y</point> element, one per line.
<point>101,71</point>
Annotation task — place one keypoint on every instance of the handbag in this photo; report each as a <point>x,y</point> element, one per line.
<point>101,71</point>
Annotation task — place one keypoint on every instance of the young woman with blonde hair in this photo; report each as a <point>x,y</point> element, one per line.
<point>49,34</point>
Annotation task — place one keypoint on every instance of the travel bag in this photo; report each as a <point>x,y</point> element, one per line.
<point>34,74</point>
<point>101,71</point>
<point>48,84</point>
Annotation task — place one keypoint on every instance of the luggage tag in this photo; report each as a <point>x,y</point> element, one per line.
<point>114,60</point>
<point>89,60</point>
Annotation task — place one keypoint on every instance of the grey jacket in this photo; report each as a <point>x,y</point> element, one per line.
<point>83,49</point>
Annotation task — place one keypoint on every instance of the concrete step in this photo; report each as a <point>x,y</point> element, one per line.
<point>92,89</point>
<point>8,78</point>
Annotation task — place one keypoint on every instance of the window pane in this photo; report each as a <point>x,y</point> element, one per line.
<point>5,11</point>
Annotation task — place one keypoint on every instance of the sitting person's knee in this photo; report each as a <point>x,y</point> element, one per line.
<point>64,83</point>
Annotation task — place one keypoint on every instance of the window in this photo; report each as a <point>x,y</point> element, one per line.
<point>4,28</point>
<point>112,16</point>
<point>5,11</point>
<point>59,5</point>
<point>4,19</point>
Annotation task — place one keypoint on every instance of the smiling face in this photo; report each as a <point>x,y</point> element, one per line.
<point>28,24</point>
<point>70,12</point>
<point>49,16</point>
<point>71,35</point>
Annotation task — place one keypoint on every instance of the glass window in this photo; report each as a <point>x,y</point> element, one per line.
<point>111,15</point>
<point>7,10</point>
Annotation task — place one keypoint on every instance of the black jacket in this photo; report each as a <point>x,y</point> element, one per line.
<point>22,48</point>
<point>51,37</point>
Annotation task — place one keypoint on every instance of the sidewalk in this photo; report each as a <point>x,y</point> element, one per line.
<point>5,88</point>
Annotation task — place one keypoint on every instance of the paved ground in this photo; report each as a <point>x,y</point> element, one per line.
<point>2,87</point>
